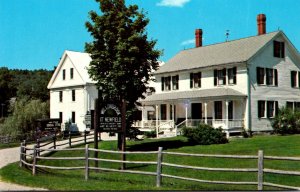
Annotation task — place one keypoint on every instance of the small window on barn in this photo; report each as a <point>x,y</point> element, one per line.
<point>278,49</point>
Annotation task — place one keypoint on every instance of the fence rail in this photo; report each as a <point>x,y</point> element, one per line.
<point>261,170</point>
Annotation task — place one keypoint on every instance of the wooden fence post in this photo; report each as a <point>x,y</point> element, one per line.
<point>159,167</point>
<point>86,162</point>
<point>21,154</point>
<point>260,176</point>
<point>54,142</point>
<point>24,150</point>
<point>34,160</point>
<point>38,146</point>
<point>70,142</point>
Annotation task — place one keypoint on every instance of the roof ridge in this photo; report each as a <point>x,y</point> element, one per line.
<point>243,38</point>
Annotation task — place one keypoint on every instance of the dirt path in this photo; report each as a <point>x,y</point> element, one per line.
<point>11,155</point>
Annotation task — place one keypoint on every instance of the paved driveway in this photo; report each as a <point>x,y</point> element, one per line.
<point>11,155</point>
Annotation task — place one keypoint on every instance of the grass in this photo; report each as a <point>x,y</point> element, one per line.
<point>74,180</point>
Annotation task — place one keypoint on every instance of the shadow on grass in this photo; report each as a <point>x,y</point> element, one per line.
<point>154,145</point>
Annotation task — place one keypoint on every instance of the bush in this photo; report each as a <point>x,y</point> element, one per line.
<point>286,121</point>
<point>205,135</point>
<point>150,134</point>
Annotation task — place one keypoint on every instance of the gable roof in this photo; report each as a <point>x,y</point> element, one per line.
<point>235,51</point>
<point>80,62</point>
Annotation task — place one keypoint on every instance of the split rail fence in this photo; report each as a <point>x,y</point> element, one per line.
<point>31,160</point>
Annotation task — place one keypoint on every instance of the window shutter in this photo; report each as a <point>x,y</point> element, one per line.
<point>215,77</point>
<point>298,79</point>
<point>191,80</point>
<point>224,76</point>
<point>269,110</point>
<point>293,76</point>
<point>282,50</point>
<point>276,77</point>
<point>234,75</point>
<point>162,83</point>
<point>261,109</point>
<point>258,75</point>
<point>177,82</point>
<point>276,108</point>
<point>200,76</point>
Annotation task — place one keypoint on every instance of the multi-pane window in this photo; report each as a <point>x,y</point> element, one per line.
<point>278,49</point>
<point>71,73</point>
<point>295,106</point>
<point>175,82</point>
<point>73,95</point>
<point>168,83</point>
<point>267,109</point>
<point>232,75</point>
<point>266,76</point>
<point>60,96</point>
<point>295,79</point>
<point>73,117</point>
<point>64,74</point>
<point>220,77</point>
<point>195,80</point>
<point>218,109</point>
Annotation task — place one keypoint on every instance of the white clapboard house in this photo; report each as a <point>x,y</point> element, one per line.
<point>72,92</point>
<point>235,85</point>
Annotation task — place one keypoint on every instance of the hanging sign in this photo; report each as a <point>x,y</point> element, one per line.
<point>110,119</point>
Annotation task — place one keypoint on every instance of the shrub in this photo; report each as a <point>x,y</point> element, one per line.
<point>286,121</point>
<point>205,135</point>
<point>150,134</point>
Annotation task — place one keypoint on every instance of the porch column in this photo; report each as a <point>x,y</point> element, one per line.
<point>226,113</point>
<point>143,111</point>
<point>205,112</point>
<point>186,115</point>
<point>156,122</point>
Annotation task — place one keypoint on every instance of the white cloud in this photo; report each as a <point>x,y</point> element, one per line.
<point>188,42</point>
<point>172,3</point>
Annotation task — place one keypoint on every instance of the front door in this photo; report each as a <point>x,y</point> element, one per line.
<point>196,110</point>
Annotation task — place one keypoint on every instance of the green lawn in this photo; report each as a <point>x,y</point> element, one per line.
<point>74,180</point>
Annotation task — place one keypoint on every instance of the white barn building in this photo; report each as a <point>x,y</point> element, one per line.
<point>72,92</point>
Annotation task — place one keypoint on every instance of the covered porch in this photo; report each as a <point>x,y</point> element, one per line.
<point>167,113</point>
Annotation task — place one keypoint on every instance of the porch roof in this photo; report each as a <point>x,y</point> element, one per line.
<point>205,94</point>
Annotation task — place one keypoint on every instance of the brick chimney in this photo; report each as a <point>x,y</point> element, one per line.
<point>261,24</point>
<point>198,35</point>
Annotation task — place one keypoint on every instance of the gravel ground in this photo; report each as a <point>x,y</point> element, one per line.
<point>11,155</point>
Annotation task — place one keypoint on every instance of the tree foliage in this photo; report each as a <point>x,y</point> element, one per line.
<point>24,114</point>
<point>122,56</point>
<point>23,84</point>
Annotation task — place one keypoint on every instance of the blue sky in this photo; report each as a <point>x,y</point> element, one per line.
<point>35,33</point>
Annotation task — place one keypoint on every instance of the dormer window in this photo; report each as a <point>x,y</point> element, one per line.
<point>278,49</point>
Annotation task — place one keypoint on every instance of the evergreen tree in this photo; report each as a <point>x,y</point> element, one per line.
<point>122,56</point>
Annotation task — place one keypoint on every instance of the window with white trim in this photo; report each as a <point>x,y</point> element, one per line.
<point>267,109</point>
<point>195,80</point>
<point>267,76</point>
